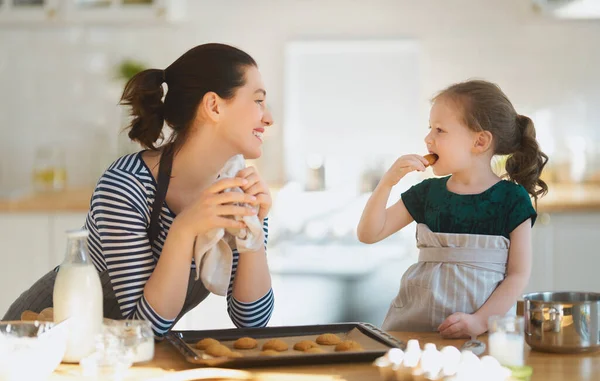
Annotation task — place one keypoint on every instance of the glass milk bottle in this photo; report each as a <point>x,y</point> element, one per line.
<point>78,297</point>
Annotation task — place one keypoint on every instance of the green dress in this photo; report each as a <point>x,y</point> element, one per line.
<point>496,211</point>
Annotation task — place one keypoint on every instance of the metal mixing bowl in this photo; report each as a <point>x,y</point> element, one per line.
<point>563,322</point>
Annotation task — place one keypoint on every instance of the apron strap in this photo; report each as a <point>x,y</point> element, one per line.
<point>487,259</point>
<point>164,177</point>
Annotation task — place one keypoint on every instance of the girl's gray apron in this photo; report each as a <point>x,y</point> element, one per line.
<point>455,273</point>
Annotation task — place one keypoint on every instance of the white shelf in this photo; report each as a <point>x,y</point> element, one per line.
<point>69,12</point>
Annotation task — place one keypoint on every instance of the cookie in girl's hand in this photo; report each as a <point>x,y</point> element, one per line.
<point>431,158</point>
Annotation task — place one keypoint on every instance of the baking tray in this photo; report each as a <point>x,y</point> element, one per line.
<point>374,341</point>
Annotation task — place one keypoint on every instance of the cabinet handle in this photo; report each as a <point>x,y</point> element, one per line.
<point>50,13</point>
<point>545,219</point>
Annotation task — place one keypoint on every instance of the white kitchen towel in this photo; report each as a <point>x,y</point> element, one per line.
<point>213,251</point>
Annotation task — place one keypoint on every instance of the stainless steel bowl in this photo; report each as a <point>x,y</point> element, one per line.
<point>562,322</point>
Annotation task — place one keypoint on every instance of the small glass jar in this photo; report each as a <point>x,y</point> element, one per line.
<point>506,339</point>
<point>136,336</point>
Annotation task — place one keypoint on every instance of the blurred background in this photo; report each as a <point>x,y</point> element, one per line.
<point>348,82</point>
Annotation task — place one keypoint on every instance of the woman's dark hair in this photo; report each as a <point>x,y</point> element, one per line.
<point>206,68</point>
<point>486,108</point>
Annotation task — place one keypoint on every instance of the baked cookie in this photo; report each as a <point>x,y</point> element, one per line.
<point>245,343</point>
<point>348,345</point>
<point>304,345</point>
<point>218,350</point>
<point>235,355</point>
<point>314,350</point>
<point>29,315</point>
<point>205,343</point>
<point>269,352</point>
<point>276,345</point>
<point>431,158</point>
<point>47,314</point>
<point>328,339</point>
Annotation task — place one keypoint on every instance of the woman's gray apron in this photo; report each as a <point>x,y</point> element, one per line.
<point>39,296</point>
<point>455,273</point>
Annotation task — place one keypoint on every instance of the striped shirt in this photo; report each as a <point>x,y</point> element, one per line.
<point>118,243</point>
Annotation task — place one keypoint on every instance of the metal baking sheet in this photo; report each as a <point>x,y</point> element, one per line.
<point>374,342</point>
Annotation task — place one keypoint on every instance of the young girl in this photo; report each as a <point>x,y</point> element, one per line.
<point>473,228</point>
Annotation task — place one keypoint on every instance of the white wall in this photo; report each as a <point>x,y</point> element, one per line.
<point>56,82</point>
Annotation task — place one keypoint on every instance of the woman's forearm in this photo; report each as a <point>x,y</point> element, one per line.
<point>166,288</point>
<point>252,277</point>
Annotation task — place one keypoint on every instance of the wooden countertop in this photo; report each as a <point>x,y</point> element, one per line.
<point>546,367</point>
<point>68,201</point>
<point>561,198</point>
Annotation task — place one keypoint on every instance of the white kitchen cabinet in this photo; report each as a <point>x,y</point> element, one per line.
<point>25,254</point>
<point>91,11</point>
<point>576,259</point>
<point>543,255</point>
<point>565,255</point>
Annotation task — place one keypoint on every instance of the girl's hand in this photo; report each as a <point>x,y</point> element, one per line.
<point>258,188</point>
<point>460,325</point>
<point>401,167</point>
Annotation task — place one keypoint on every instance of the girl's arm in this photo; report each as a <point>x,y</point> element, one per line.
<point>377,222</point>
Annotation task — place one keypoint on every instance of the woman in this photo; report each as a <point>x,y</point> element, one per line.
<point>215,106</point>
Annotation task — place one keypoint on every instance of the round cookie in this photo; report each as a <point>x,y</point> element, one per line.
<point>47,314</point>
<point>276,345</point>
<point>348,345</point>
<point>29,315</point>
<point>245,343</point>
<point>269,352</point>
<point>305,345</point>
<point>205,343</point>
<point>218,350</point>
<point>328,339</point>
<point>314,350</point>
<point>431,158</point>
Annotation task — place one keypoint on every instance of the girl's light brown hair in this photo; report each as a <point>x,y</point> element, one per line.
<point>486,108</point>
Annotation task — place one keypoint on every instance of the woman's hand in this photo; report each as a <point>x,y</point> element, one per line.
<point>258,188</point>
<point>212,209</point>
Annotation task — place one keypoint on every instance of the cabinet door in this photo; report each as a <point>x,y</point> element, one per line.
<point>576,258</point>
<point>25,254</point>
<point>542,271</point>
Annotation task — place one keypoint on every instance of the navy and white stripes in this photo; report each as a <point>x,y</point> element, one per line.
<point>118,242</point>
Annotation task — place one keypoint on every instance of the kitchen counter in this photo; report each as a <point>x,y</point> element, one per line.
<point>72,200</point>
<point>561,198</point>
<point>547,367</point>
